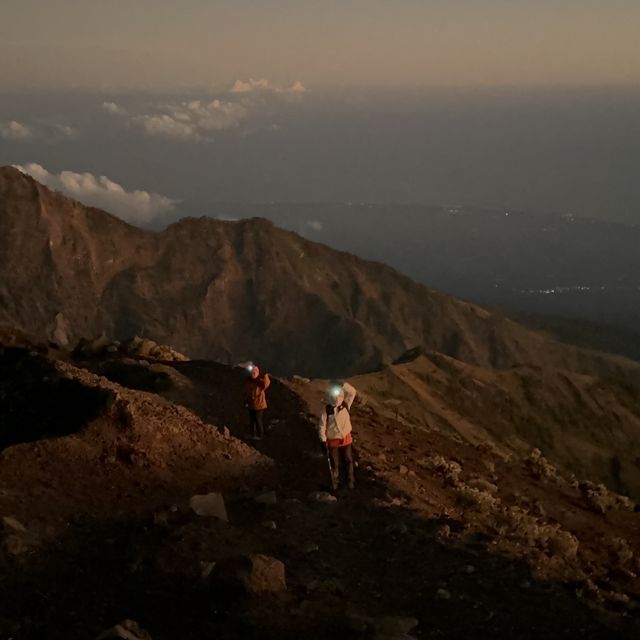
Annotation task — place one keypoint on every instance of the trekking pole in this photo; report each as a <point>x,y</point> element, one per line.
<point>332,480</point>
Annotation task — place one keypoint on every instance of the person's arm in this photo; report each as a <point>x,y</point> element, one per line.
<point>266,382</point>
<point>349,394</point>
<point>322,426</point>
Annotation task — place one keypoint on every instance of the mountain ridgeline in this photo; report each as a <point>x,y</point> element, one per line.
<point>233,290</point>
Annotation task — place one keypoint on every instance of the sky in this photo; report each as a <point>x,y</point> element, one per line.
<point>155,109</point>
<point>170,44</point>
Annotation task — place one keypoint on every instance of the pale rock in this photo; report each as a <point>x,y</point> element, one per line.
<point>210,505</point>
<point>322,497</point>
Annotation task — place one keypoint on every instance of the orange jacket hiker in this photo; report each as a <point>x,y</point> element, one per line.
<point>254,392</point>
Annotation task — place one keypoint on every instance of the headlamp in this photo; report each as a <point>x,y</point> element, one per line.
<point>335,391</point>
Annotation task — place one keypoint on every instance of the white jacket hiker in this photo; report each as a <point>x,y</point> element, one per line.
<point>338,425</point>
<point>334,430</point>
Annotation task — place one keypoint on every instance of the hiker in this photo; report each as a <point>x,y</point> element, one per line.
<point>256,400</point>
<point>334,430</point>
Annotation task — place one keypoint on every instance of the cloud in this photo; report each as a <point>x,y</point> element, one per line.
<point>199,120</point>
<point>193,121</point>
<point>296,87</point>
<point>240,86</point>
<point>114,109</point>
<point>264,86</point>
<point>60,131</point>
<point>137,207</point>
<point>47,132</point>
<point>314,225</point>
<point>15,131</point>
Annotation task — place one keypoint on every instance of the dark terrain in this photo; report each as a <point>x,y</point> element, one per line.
<point>463,539</point>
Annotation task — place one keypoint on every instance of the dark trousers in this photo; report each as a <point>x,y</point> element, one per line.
<point>342,456</point>
<point>256,422</point>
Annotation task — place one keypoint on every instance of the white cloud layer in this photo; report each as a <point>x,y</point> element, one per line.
<point>200,120</point>
<point>137,207</point>
<point>194,121</point>
<point>189,121</point>
<point>15,131</point>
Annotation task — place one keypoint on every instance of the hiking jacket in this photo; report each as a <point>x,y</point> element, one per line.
<point>254,392</point>
<point>337,427</point>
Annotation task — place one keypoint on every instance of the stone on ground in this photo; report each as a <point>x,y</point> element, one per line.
<point>210,505</point>
<point>322,496</point>
<point>251,574</point>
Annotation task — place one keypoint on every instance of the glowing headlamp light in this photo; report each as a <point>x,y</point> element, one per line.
<point>250,368</point>
<point>335,391</point>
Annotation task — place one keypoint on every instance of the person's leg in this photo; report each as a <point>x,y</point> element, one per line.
<point>260,423</point>
<point>252,423</point>
<point>335,465</point>
<point>347,454</point>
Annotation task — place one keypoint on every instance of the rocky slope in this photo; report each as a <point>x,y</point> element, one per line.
<point>443,537</point>
<point>230,291</point>
<point>588,425</point>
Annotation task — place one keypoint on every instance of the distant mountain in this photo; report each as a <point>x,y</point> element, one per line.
<point>557,267</point>
<point>235,290</point>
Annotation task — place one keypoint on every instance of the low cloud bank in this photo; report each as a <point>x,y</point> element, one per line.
<point>136,207</point>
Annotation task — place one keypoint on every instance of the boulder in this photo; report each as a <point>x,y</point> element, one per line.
<point>210,505</point>
<point>251,574</point>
